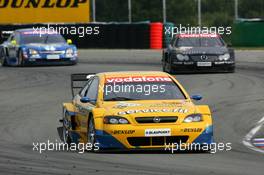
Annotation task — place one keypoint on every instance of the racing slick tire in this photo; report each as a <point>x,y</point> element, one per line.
<point>163,68</point>
<point>21,61</point>
<point>3,62</point>
<point>229,70</point>
<point>233,70</point>
<point>169,71</point>
<point>65,134</point>
<point>74,63</point>
<point>91,134</point>
<point>2,57</point>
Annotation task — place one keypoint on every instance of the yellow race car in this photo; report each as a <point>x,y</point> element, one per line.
<point>133,110</point>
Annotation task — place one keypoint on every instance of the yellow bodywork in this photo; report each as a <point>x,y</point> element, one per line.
<point>121,132</point>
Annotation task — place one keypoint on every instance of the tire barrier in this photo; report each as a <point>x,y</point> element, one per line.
<point>156,35</point>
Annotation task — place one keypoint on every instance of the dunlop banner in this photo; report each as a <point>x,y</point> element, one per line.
<point>44,11</point>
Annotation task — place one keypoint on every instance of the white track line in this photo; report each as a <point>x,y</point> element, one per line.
<point>261,120</point>
<point>259,139</point>
<point>247,139</point>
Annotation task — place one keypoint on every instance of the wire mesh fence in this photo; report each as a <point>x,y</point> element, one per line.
<point>185,12</point>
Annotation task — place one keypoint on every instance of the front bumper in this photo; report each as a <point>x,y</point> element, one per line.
<point>55,57</point>
<point>134,137</point>
<point>64,61</point>
<point>219,66</point>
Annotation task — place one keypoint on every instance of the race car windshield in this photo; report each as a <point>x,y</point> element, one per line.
<point>43,38</point>
<point>126,91</point>
<point>199,42</point>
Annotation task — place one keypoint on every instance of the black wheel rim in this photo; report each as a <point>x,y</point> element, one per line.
<point>65,135</point>
<point>91,132</point>
<point>20,58</point>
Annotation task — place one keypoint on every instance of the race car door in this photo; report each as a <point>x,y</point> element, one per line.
<point>12,45</point>
<point>84,108</point>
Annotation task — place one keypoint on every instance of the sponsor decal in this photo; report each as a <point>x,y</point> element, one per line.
<point>176,110</point>
<point>42,11</point>
<point>192,130</point>
<point>124,105</point>
<point>138,79</point>
<point>38,32</point>
<point>41,4</point>
<point>166,104</point>
<point>123,131</point>
<point>157,132</point>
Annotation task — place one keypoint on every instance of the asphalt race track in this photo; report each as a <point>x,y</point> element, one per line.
<point>30,106</point>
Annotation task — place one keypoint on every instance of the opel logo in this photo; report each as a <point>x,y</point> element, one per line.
<point>156,119</point>
<point>204,57</point>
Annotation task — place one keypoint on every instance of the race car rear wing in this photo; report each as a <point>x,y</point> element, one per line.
<point>6,34</point>
<point>78,81</point>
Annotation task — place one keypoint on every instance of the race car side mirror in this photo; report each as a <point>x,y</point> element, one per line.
<point>196,97</point>
<point>13,42</point>
<point>69,41</point>
<point>85,100</point>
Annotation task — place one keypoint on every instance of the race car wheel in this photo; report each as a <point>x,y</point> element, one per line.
<point>2,57</point>
<point>91,135</point>
<point>3,61</point>
<point>232,70</point>
<point>65,134</point>
<point>170,70</point>
<point>163,68</point>
<point>21,60</point>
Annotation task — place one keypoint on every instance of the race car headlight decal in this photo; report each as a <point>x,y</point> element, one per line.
<point>224,57</point>
<point>69,52</point>
<point>181,57</point>
<point>33,52</point>
<point>115,120</point>
<point>193,118</point>
<point>75,53</point>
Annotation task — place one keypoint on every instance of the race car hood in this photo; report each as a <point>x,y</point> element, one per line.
<point>146,108</point>
<point>202,50</point>
<point>47,47</point>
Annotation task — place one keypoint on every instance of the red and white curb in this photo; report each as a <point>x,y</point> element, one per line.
<point>257,143</point>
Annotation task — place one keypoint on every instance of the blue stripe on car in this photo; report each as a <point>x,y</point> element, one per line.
<point>105,140</point>
<point>206,137</point>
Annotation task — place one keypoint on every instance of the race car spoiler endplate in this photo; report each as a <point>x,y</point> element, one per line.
<point>6,34</point>
<point>79,80</point>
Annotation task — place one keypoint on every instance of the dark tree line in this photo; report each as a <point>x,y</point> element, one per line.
<point>214,12</point>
